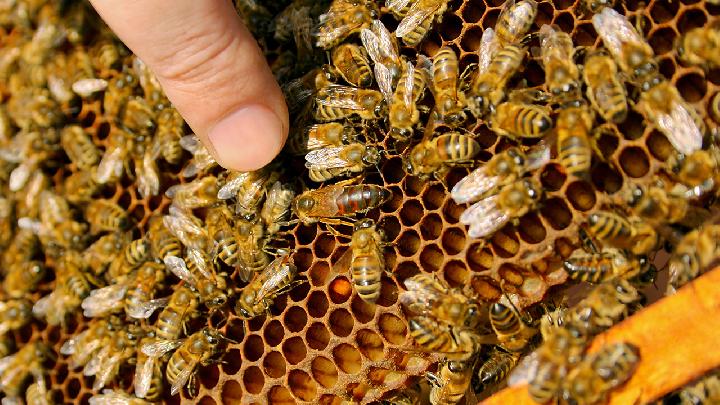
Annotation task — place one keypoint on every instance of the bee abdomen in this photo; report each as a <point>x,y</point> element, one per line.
<point>414,37</point>
<point>137,252</point>
<point>606,225</point>
<point>427,333</point>
<point>361,198</point>
<point>366,276</point>
<point>456,147</point>
<point>504,320</point>
<point>575,153</point>
<point>587,269</point>
<point>532,122</point>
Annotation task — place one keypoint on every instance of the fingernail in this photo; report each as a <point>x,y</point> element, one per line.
<point>248,138</point>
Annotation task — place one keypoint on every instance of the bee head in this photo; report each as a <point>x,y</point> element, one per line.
<point>304,204</point>
<point>364,223</point>
<point>371,156</point>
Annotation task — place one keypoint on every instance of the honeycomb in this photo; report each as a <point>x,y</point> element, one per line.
<point>322,343</point>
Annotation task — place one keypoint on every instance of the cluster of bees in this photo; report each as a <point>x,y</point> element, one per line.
<point>150,295</point>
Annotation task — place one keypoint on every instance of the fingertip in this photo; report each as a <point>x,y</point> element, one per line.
<point>248,138</point>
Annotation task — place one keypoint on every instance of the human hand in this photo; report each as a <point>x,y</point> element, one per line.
<point>211,69</point>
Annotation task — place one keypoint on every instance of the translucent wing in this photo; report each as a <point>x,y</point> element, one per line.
<point>110,166</point>
<point>397,5</point>
<point>143,376</point>
<point>103,301</point>
<point>183,376</point>
<point>95,364</point>
<point>107,371</point>
<point>615,30</point>
<point>381,49</point>
<point>87,87</point>
<point>201,261</point>
<point>70,345</point>
<point>475,185</point>
<point>484,217</point>
<point>232,185</point>
<point>148,179</point>
<point>145,310</point>
<point>417,14</point>
<point>384,79</point>
<point>178,267</point>
<point>30,224</point>
<point>525,371</point>
<point>678,124</point>
<point>337,96</point>
<point>536,156</point>
<point>44,305</point>
<point>191,143</point>
<point>409,81</point>
<point>190,233</point>
<point>326,158</point>
<point>488,48</point>
<point>202,159</point>
<point>111,397</point>
<point>5,362</point>
<point>273,277</point>
<point>160,347</point>
<point>20,175</point>
<point>422,293</point>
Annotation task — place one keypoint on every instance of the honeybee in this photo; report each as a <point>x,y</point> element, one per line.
<point>23,247</point>
<point>519,120</point>
<point>81,347</point>
<point>419,19</point>
<point>187,228</point>
<point>633,234</point>
<point>601,266</point>
<point>562,76</point>
<point>335,102</point>
<point>382,48</point>
<point>327,204</point>
<point>169,131</point>
<point>148,380</point>
<point>220,228</point>
<point>343,19</point>
<point>449,384</point>
<point>696,171</point>
<point>319,136</point>
<point>18,367</point>
<point>403,112</point>
<point>606,304</point>
<point>658,206</point>
<point>437,155</point>
<point>408,396</point>
<point>399,8</point>
<point>105,366</point>
<point>704,391</point>
<point>502,169</point>
<point>276,210</point>
<point>512,331</point>
<point>449,99</point>
<point>605,90</point>
<point>162,242</point>
<point>181,307</point>
<point>105,215</point>
<point>496,367</point>
<point>202,159</point>
<point>209,285</point>
<point>277,278</point>
<point>37,394</point>
<point>515,21</point>
<point>14,314</point>
<point>575,150</point>
<point>700,46</point>
<point>695,251</point>
<point>71,287</point>
<point>7,218</point>
<point>351,63</point>
<point>429,296</point>
<point>153,93</point>
<point>111,166</point>
<point>146,170</point>
<point>248,188</point>
<point>596,375</point>
<point>458,344</point>
<point>198,349</point>
<point>367,263</point>
<point>104,251</point>
<point>79,147</point>
<point>488,215</point>
<point>595,6</point>
<point>200,192</point>
<point>83,186</point>
<point>252,257</point>
<point>87,87</point>
<point>116,397</point>
<point>327,163</point>
<point>22,278</point>
<point>488,87</point>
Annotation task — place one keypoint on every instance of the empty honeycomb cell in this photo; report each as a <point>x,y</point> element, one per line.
<point>690,19</point>
<point>485,290</point>
<point>581,195</point>
<point>363,311</point>
<point>545,14</point>
<point>584,34</point>
<point>231,392</point>
<point>531,229</point>
<point>305,234</point>
<point>388,293</point>
<point>533,75</point>
<point>662,40</point>
<point>692,87</point>
<point>451,211</point>
<point>453,240</point>
<point>434,196</point>
<point>390,257</point>
<point>370,344</point>
<point>565,21</point>
<point>395,201</point>
<point>606,179</point>
<point>253,348</point>
<point>390,227</point>
<point>280,395</point>
<point>341,322</point>
<point>303,259</point>
<point>632,127</point>
<point>253,380</point>
<point>431,258</point>
<point>347,358</point>
<point>232,361</point>
<point>607,143</point>
<point>317,304</point>
<point>209,376</point>
<point>470,40</point>
<point>392,328</point>
<point>318,273</point>
<point>412,186</point>
<point>411,212</point>
<point>392,170</point>
<point>450,27</point>
<point>471,12</point>
<point>430,227</point>
<point>557,213</point>
<point>431,44</point>
<point>294,350</point>
<point>634,162</point>
<point>479,257</point>
<point>456,273</point>
<point>408,243</point>
<point>324,245</point>
<point>490,17</point>
<point>72,388</point>
<point>317,336</point>
<point>552,177</point>
<point>274,365</point>
<point>206,401</point>
<point>324,371</point>
<point>661,11</point>
<point>667,67</point>
<point>295,319</point>
<point>329,399</point>
<point>61,373</point>
<point>504,243</point>
<point>340,290</point>
<point>235,330</point>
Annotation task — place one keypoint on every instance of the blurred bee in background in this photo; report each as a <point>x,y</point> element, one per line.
<point>152,91</point>
<point>562,76</point>
<point>331,203</point>
<point>705,391</point>
<point>248,189</point>
<point>601,266</point>
<point>149,379</point>
<point>7,220</point>
<point>169,132</point>
<point>658,205</point>
<point>118,397</point>
<point>408,396</point>
<point>693,254</point>
<point>403,113</point>
<point>488,87</point>
<point>515,21</point>
<point>335,102</point>
<point>451,382</point>
<point>344,18</point>
<point>382,48</point>
<point>517,120</point>
<point>700,46</point>
<point>327,163</point>
<point>367,264</point>
<point>83,186</point>
<point>350,62</point>
<point>37,394</point>
<point>276,210</point>
<point>187,228</point>
<point>449,99</point>
<point>604,306</point>
<point>71,287</point>
<point>513,333</point>
<point>79,147</point>
<point>105,215</point>
<point>496,367</point>
<point>431,297</point>
<point>28,361</point>
<point>437,155</point>
<point>319,136</point>
<point>419,19</point>
<point>276,279</point>
<point>488,215</point>
<point>202,160</point>
<point>24,246</point>
<point>116,351</point>
<point>210,286</point>
<point>632,234</point>
<point>87,87</point>
<point>14,314</point>
<point>453,343</point>
<point>162,242</point>
<point>200,192</point>
<point>113,162</point>
<point>605,90</point>
<point>22,278</point>
<point>82,347</point>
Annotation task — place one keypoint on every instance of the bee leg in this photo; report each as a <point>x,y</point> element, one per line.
<point>433,379</point>
<point>192,385</point>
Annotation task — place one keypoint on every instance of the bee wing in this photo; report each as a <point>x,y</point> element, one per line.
<point>272,278</point>
<point>148,178</point>
<point>335,18</point>
<point>110,397</point>
<point>420,297</point>
<point>537,156</point>
<point>488,48</point>
<point>191,143</point>
<point>5,363</point>
<point>178,267</point>
<point>143,376</point>
<point>396,5</point>
<point>615,30</point>
<point>475,185</point>
<point>12,401</point>
<point>107,371</point>
<point>110,166</point>
<point>232,186</point>
<point>326,158</point>
<point>30,224</point>
<point>44,305</point>
<point>87,87</point>
<point>190,233</point>
<point>200,259</point>
<point>71,344</point>
<point>384,79</point>
<point>484,217</point>
<point>525,370</point>
<point>103,301</point>
<point>417,14</point>
<point>408,96</point>
<point>342,266</point>
<point>159,347</point>
<point>679,125</point>
<point>145,310</point>
<point>183,376</point>
<point>20,175</point>
<point>95,364</point>
<point>337,96</point>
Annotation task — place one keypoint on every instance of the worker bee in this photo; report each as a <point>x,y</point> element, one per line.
<point>562,76</point>
<point>80,187</point>
<point>604,306</point>
<point>437,155</point>
<point>248,189</point>
<point>454,343</point>
<point>220,228</point>
<point>449,99</point>
<point>210,286</point>
<point>19,366</point>
<point>187,228</point>
<point>14,314</point>
<point>71,287</point>
<point>429,296</point>
<point>198,349</point>
<point>276,279</point>
<point>276,210</point>
<point>367,263</point>
<point>591,380</point>
<point>519,120</point>
<point>162,242</point>
<point>37,394</point>
<point>657,205</point>
<point>79,147</point>
<point>104,251</point>
<point>251,255</point>
<point>105,215</point>
<point>399,8</point>
<point>81,347</point>
<point>7,219</point>
<point>700,46</point>
<point>343,19</point>
<point>704,391</point>
<point>181,307</point>
<point>488,87</point>
<point>403,112</point>
<point>419,19</point>
<point>22,278</point>
<point>87,87</point>
<point>449,384</point>
<point>515,21</point>
<point>602,266</point>
<point>408,396</point>
<point>714,108</point>
<point>488,215</point>
<point>148,380</point>
<point>512,331</point>
<point>335,102</point>
<point>605,90</point>
<point>116,397</point>
<point>327,163</point>
<point>633,234</point>
<point>169,131</point>
<point>118,349</point>
<point>202,160</point>
<point>496,367</point>
<point>696,171</point>
<point>327,204</point>
<point>200,192</point>
<point>574,125</point>
<point>24,246</point>
<point>382,48</point>
<point>112,164</point>
<point>146,170</point>
<point>693,254</point>
<point>351,63</point>
<point>319,136</point>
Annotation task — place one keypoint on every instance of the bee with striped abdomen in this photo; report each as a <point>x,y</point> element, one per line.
<point>367,264</point>
<point>419,19</point>
<point>437,155</point>
<point>327,163</point>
